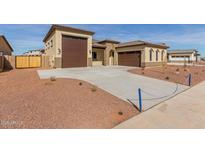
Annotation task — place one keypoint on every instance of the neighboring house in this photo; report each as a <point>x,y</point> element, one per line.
<point>5,49</point>
<point>202,58</point>
<point>71,47</point>
<point>179,56</point>
<point>35,52</point>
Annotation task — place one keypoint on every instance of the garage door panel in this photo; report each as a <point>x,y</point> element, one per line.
<point>74,52</point>
<point>129,58</point>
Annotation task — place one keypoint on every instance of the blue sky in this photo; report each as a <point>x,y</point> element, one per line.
<point>28,37</point>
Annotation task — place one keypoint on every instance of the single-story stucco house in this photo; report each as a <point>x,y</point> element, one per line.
<point>72,47</point>
<point>180,56</point>
<point>5,49</point>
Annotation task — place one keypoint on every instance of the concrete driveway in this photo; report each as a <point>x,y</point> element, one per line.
<point>117,81</point>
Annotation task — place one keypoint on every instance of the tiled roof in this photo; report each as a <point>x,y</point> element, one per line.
<point>98,45</point>
<point>139,42</point>
<point>183,51</point>
<point>109,41</point>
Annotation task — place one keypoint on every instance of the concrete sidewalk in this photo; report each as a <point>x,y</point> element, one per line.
<point>186,110</point>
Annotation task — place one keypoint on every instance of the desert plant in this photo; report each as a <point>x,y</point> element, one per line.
<point>143,69</point>
<point>186,69</point>
<point>94,89</point>
<point>80,83</point>
<point>52,78</point>
<point>48,83</point>
<point>167,78</point>
<point>120,113</point>
<point>177,70</point>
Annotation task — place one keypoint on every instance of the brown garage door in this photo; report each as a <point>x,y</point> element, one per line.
<point>74,52</point>
<point>129,58</point>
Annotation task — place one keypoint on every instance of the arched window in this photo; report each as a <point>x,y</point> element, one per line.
<point>162,55</point>
<point>157,54</point>
<point>150,54</point>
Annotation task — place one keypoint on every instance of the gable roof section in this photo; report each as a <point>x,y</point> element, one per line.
<point>3,47</point>
<point>68,29</point>
<point>139,42</point>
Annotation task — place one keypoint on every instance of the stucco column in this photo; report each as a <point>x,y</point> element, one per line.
<point>115,58</point>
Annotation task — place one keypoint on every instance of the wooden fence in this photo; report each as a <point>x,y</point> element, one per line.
<point>28,61</point>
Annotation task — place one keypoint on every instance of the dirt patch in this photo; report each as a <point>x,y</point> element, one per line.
<point>28,102</point>
<point>177,74</point>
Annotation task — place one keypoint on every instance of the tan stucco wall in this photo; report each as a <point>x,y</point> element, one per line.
<point>51,51</point>
<point>130,48</point>
<point>100,53</point>
<point>56,50</point>
<point>109,48</point>
<point>147,54</point>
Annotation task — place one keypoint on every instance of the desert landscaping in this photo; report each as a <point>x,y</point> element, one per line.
<point>173,73</point>
<point>28,102</point>
<point>76,81</point>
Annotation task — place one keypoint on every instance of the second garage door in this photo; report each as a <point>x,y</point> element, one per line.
<point>129,58</point>
<point>74,52</point>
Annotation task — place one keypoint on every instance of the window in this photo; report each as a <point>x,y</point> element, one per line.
<point>48,45</point>
<point>157,54</point>
<point>162,55</point>
<point>150,54</point>
<point>94,56</point>
<point>51,43</point>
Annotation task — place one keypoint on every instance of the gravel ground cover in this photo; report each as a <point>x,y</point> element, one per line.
<point>177,74</point>
<point>28,102</point>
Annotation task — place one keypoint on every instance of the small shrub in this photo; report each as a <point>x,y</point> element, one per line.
<point>167,78</point>
<point>186,69</point>
<point>94,89</point>
<point>177,70</point>
<point>203,70</point>
<point>120,113</point>
<point>48,83</point>
<point>52,78</point>
<point>143,69</point>
<point>80,83</point>
<point>196,73</point>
